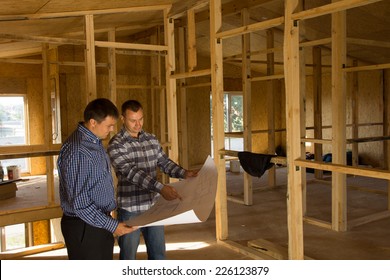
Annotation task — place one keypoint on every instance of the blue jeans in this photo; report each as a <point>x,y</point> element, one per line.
<point>153,236</point>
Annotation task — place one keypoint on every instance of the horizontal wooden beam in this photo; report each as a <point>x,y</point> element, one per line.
<point>331,8</point>
<point>316,141</point>
<point>67,41</point>
<point>192,74</point>
<point>345,169</point>
<point>140,87</point>
<point>132,46</point>
<point>235,199</point>
<point>319,42</point>
<point>83,13</point>
<point>26,215</point>
<point>275,160</point>
<point>207,84</point>
<point>22,151</point>
<point>244,250</point>
<point>181,7</point>
<point>269,248</point>
<point>259,52</point>
<point>42,39</point>
<point>368,219</point>
<point>77,63</point>
<point>251,28</point>
<point>27,251</point>
<point>316,222</point>
<point>367,67</point>
<point>349,141</point>
<point>21,61</point>
<point>368,139</point>
<point>268,78</point>
<point>371,43</point>
<point>139,52</point>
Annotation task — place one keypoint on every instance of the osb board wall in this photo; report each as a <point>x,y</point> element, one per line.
<point>370,106</point>
<point>198,125</point>
<point>36,122</point>
<point>41,232</point>
<point>259,107</point>
<point>371,111</point>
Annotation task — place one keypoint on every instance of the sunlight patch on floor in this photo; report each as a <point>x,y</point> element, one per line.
<point>61,253</point>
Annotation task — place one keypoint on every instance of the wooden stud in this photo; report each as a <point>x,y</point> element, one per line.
<point>155,84</point>
<point>293,123</point>
<point>47,110</point>
<point>247,94</point>
<point>339,181</point>
<point>171,88</point>
<point>386,126</point>
<point>218,118</point>
<point>90,60</point>
<point>183,103</point>
<point>355,116</point>
<point>317,106</point>
<point>191,40</point>
<point>112,83</point>
<point>271,93</point>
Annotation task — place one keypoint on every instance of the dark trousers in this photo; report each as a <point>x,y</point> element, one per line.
<point>85,242</point>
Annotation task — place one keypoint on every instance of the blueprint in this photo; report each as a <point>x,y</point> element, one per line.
<point>198,196</point>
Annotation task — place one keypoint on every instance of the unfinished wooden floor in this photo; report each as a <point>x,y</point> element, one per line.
<point>266,220</point>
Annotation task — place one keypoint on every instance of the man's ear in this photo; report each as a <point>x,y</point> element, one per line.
<point>92,123</point>
<point>122,118</point>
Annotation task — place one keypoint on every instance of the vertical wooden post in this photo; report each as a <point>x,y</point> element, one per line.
<point>183,102</point>
<point>43,227</point>
<point>112,71</point>
<point>191,40</point>
<point>48,123</point>
<point>55,94</point>
<point>293,133</point>
<point>339,188</point>
<point>302,106</point>
<point>247,96</point>
<point>386,125</point>
<point>355,115</point>
<point>90,73</point>
<point>317,100</point>
<point>218,118</point>
<point>173,150</point>
<point>271,90</point>
<point>155,79</point>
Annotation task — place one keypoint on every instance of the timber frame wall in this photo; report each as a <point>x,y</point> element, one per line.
<point>294,79</point>
<point>295,112</point>
<point>49,150</point>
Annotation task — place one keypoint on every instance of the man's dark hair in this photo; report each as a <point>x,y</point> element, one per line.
<point>132,105</point>
<point>99,109</point>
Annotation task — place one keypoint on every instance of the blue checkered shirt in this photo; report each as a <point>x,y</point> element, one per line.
<point>86,185</point>
<point>135,161</point>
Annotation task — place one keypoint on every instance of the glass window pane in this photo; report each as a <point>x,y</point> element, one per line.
<point>13,126</point>
<point>15,237</point>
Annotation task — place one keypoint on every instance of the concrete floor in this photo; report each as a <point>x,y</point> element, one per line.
<point>266,220</point>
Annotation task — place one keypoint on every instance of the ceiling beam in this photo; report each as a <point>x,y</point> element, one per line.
<point>83,13</point>
<point>331,8</point>
<point>64,41</point>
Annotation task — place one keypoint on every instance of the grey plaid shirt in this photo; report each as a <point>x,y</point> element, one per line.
<point>135,161</point>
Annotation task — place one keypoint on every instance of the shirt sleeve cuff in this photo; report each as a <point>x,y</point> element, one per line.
<point>158,186</point>
<point>112,224</point>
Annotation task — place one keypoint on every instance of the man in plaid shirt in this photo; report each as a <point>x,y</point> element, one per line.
<point>86,186</point>
<point>135,156</point>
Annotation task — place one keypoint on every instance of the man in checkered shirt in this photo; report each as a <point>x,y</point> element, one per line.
<point>135,156</point>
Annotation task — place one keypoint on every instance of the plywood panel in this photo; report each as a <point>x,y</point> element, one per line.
<point>36,122</point>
